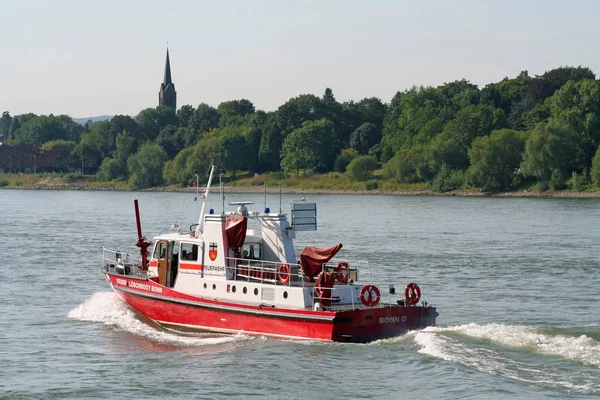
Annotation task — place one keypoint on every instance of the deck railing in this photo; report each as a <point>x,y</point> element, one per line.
<point>120,262</point>
<point>279,273</point>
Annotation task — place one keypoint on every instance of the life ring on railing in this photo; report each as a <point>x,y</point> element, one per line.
<point>412,293</point>
<point>370,296</point>
<point>343,266</point>
<point>283,273</point>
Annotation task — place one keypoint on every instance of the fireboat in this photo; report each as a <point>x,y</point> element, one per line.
<point>221,276</point>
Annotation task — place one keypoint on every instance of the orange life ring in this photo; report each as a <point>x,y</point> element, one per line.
<point>283,273</point>
<point>412,293</point>
<point>366,295</point>
<point>343,266</point>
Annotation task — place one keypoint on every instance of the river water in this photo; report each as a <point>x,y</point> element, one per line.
<point>516,282</point>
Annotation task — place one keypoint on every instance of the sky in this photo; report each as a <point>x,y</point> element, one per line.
<point>90,58</point>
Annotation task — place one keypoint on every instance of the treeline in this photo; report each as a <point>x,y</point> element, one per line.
<point>519,132</point>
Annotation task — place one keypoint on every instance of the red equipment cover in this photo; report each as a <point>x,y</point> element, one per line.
<point>235,229</point>
<point>324,284</point>
<point>312,258</point>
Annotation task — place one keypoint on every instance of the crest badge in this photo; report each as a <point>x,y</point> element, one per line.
<point>212,251</point>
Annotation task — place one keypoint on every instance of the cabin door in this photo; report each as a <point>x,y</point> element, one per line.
<point>163,261</point>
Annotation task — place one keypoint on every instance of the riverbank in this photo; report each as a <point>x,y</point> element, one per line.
<point>29,182</point>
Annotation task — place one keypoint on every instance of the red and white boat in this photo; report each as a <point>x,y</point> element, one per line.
<point>221,276</point>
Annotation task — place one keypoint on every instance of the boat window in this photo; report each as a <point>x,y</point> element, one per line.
<point>163,250</point>
<point>252,251</point>
<point>175,249</point>
<point>155,252</point>
<point>189,252</point>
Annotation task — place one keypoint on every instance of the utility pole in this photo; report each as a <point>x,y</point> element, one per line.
<point>34,165</point>
<point>82,165</point>
<point>10,164</point>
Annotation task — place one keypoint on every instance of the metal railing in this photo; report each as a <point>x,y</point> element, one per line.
<point>270,271</point>
<point>121,263</point>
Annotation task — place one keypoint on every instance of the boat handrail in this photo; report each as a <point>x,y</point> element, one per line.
<point>119,257</point>
<point>268,271</point>
<point>122,263</point>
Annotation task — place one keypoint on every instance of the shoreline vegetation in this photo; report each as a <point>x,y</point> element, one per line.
<point>526,135</point>
<point>77,182</point>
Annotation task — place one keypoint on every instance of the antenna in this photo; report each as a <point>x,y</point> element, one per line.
<point>222,191</point>
<point>280,197</point>
<point>265,184</point>
<point>196,183</point>
<point>200,226</point>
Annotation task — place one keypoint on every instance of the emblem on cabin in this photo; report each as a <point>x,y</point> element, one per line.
<point>212,252</point>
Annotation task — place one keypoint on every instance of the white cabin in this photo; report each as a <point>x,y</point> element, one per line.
<point>230,263</point>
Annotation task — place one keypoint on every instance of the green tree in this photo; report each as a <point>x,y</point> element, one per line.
<point>309,147</point>
<point>153,120</point>
<point>364,137</point>
<point>202,121</point>
<point>5,122</point>
<point>233,151</point>
<point>343,159</point>
<point>111,169</point>
<point>175,171</point>
<point>145,167</point>
<point>270,145</point>
<point>41,129</point>
<point>232,109</point>
<point>172,139</point>
<point>576,106</point>
<point>495,159</point>
<point>548,149</point>
<point>452,145</point>
<point>595,171</point>
<point>545,85</point>
<point>410,165</point>
<point>292,114</point>
<point>362,167</point>
<point>184,115</point>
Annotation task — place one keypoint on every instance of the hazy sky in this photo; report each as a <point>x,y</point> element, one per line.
<point>87,58</point>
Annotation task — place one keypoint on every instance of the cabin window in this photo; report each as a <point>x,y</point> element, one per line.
<point>174,250</point>
<point>189,252</point>
<point>252,251</point>
<point>162,250</point>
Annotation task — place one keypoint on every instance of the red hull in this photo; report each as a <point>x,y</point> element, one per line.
<point>169,307</point>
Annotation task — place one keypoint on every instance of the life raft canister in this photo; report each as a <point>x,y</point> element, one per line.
<point>341,275</point>
<point>283,273</point>
<point>370,295</point>
<point>412,294</point>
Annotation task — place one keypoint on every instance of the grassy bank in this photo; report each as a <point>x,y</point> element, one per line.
<point>246,183</point>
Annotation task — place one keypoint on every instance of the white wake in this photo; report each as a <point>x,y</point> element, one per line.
<point>106,308</point>
<point>453,344</point>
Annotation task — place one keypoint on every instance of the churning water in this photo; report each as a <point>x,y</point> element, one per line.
<point>516,283</point>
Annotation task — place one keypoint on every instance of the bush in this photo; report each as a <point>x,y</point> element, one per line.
<point>3,183</point>
<point>540,186</point>
<point>595,172</point>
<point>579,182</point>
<point>372,185</point>
<point>344,159</point>
<point>556,182</point>
<point>362,167</point>
<point>71,177</point>
<point>447,179</point>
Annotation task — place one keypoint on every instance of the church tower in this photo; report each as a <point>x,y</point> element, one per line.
<point>167,95</point>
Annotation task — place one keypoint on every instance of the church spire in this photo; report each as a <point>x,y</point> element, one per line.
<point>167,95</point>
<point>167,81</point>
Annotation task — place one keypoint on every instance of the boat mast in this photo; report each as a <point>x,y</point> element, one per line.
<point>141,243</point>
<point>200,226</point>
